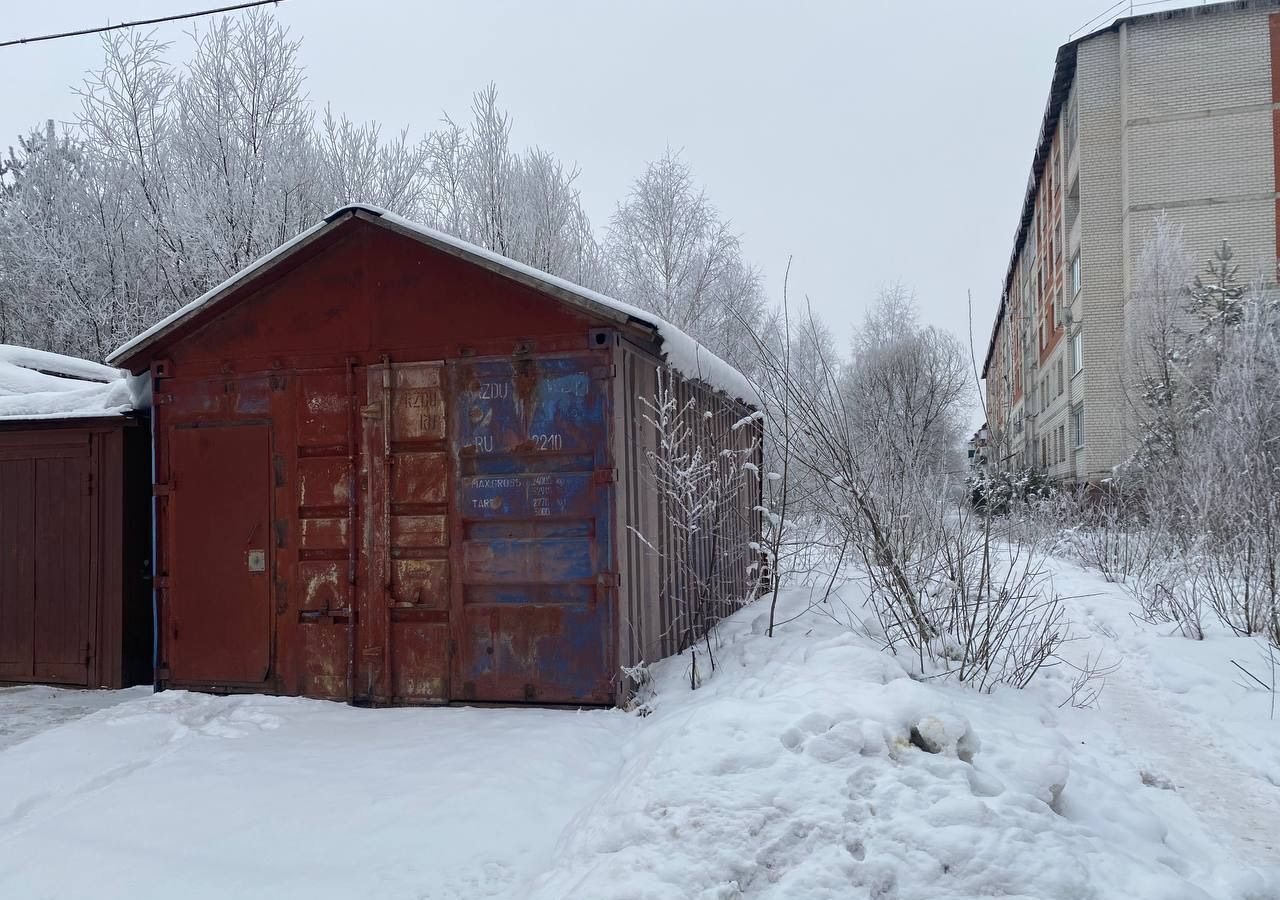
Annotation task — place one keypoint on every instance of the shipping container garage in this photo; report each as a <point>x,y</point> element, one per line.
<point>394,468</point>
<point>75,596</point>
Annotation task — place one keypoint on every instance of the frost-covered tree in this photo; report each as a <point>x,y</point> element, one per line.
<point>523,205</point>
<point>677,258</point>
<point>1206,353</point>
<point>359,166</point>
<point>907,386</point>
<point>174,178</point>
<point>1157,347</point>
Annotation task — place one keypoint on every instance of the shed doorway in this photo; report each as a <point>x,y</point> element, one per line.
<point>45,535</point>
<point>219,624</point>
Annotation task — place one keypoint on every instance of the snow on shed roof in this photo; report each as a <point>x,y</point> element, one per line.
<point>36,384</point>
<point>680,351</point>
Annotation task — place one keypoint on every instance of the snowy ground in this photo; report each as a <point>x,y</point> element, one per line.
<point>27,710</point>
<point>790,773</point>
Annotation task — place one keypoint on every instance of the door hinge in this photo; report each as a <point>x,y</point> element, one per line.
<point>605,476</point>
<point>163,489</point>
<point>604,372</point>
<point>161,582</point>
<point>609,579</point>
<point>162,673</point>
<point>161,399</point>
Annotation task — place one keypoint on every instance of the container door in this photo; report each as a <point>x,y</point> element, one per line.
<point>326,574</point>
<point>535,568</point>
<point>218,624</point>
<point>46,526</point>
<point>404,607</point>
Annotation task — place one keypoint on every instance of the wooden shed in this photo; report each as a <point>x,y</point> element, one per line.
<point>75,597</point>
<point>395,468</point>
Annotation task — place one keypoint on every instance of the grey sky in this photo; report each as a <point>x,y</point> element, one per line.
<point>871,141</point>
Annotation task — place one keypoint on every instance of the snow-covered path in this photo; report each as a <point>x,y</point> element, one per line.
<point>1231,800</point>
<point>1180,709</point>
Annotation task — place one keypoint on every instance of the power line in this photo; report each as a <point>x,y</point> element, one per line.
<point>134,24</point>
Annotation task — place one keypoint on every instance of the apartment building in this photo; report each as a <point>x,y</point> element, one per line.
<point>1175,111</point>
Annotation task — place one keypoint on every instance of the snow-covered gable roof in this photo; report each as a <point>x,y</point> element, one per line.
<point>680,351</point>
<point>35,384</point>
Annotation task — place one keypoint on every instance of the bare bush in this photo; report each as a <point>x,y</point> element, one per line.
<point>874,440</point>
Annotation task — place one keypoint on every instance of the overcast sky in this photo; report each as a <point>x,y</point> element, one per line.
<point>870,141</point>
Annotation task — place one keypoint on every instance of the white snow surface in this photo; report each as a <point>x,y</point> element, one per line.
<point>790,773</point>
<point>680,351</point>
<point>36,384</point>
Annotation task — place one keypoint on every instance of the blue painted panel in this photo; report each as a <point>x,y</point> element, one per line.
<point>530,436</point>
<point>528,561</point>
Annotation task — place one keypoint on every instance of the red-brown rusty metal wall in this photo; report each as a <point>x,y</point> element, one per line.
<point>385,475</point>
<point>74,608</point>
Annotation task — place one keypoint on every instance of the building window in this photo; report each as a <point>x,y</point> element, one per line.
<point>1077,425</point>
<point>1075,274</point>
<point>1060,375</point>
<point>1058,310</point>
<point>1044,453</point>
<point>1077,352</point>
<point>1062,443</point>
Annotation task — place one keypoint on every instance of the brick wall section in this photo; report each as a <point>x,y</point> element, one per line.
<point>1098,76</point>
<point>1200,134</point>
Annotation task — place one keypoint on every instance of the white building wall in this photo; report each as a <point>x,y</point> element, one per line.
<point>1200,133</point>
<point>1098,84</point>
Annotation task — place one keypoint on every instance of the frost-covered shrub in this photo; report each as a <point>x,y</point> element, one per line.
<point>1002,492</point>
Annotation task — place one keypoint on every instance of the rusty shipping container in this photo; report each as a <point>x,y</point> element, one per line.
<point>392,468</point>
<point>75,600</point>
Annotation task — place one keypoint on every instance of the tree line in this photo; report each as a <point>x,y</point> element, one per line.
<point>172,178</point>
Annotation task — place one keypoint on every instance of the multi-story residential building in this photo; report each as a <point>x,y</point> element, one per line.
<point>1175,111</point>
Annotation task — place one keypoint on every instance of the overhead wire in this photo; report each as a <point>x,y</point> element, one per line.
<point>134,24</point>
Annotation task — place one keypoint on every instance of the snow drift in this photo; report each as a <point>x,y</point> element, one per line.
<point>36,384</point>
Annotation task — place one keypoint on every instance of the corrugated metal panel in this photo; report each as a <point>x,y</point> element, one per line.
<point>662,563</point>
<point>404,619</point>
<point>534,520</point>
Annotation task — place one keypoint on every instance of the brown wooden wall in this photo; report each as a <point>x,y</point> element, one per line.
<point>74,535</point>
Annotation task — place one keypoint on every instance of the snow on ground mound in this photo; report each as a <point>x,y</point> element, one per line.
<point>35,384</point>
<point>812,765</point>
<point>809,765</point>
